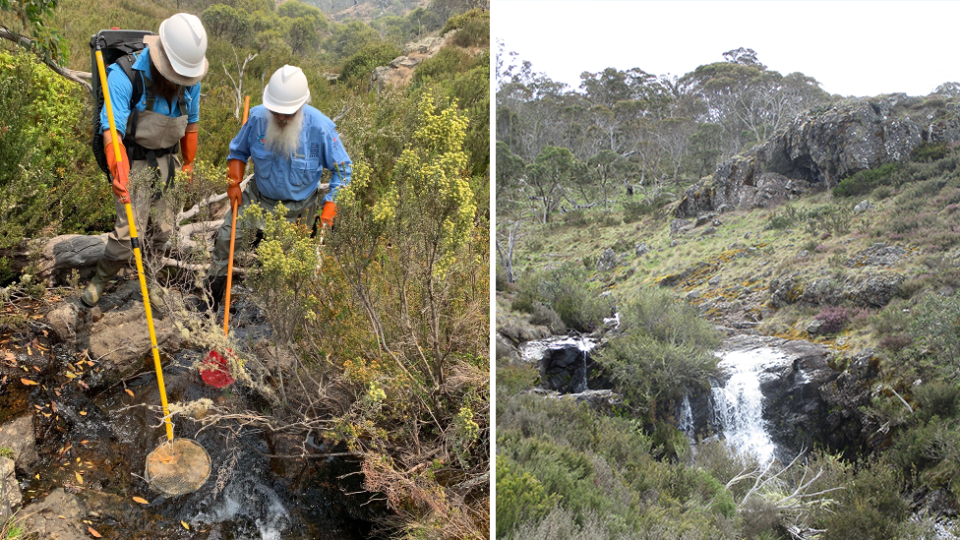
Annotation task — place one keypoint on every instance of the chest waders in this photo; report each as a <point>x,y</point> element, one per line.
<point>178,465</point>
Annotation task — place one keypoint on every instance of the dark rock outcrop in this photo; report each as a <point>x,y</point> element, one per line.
<point>821,147</point>
<point>793,406</point>
<point>564,370</point>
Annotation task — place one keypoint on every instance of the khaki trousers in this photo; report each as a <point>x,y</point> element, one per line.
<point>155,219</point>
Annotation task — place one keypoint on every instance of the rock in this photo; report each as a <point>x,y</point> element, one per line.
<point>56,517</point>
<point>120,339</point>
<point>678,225</point>
<point>716,223</point>
<point>875,291</point>
<point>746,236</point>
<point>820,147</point>
<point>10,496</point>
<point>814,327</point>
<point>19,437</point>
<point>692,295</point>
<point>803,254</point>
<point>399,72</point>
<point>936,503</point>
<point>506,352</point>
<point>714,281</point>
<point>792,394</point>
<point>701,220</point>
<point>862,207</point>
<point>821,291</point>
<point>674,243</point>
<point>877,255</point>
<point>709,231</point>
<point>785,292</point>
<point>607,261</point>
<point>642,249</point>
<point>564,369</point>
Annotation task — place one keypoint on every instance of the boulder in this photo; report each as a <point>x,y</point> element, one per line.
<point>862,207</point>
<point>642,249</point>
<point>607,261</point>
<point>875,291</point>
<point>120,338</point>
<point>506,351</point>
<point>877,255</point>
<point>57,517</point>
<point>10,496</point>
<point>819,148</point>
<point>679,225</point>
<point>18,436</point>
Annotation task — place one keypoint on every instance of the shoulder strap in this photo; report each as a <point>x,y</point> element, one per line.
<point>136,80</point>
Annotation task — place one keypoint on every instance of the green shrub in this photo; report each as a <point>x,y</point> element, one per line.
<point>929,151</point>
<point>359,67</point>
<point>937,398</point>
<point>520,498</point>
<point>636,210</point>
<point>664,347</point>
<point>567,293</point>
<point>473,28</point>
<point>543,315</point>
<point>936,320</point>
<point>865,181</point>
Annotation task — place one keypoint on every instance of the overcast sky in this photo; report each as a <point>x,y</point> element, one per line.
<point>860,48</point>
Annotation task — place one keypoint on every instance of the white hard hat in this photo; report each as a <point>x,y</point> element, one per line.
<point>287,90</point>
<point>181,56</point>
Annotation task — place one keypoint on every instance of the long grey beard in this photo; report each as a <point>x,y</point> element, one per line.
<point>283,140</point>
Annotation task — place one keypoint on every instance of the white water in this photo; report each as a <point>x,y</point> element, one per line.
<point>252,500</point>
<point>739,403</point>
<point>685,423</point>
<point>533,351</point>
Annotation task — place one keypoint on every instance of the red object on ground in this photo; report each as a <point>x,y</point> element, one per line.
<point>214,371</point>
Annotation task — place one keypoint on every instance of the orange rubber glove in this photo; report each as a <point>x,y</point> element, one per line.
<point>119,171</point>
<point>235,169</point>
<point>329,212</point>
<point>188,147</point>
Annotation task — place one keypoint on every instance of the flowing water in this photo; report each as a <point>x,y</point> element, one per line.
<point>95,444</point>
<point>738,402</point>
<point>534,351</point>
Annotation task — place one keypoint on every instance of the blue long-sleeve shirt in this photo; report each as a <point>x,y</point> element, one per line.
<point>121,92</point>
<point>296,178</point>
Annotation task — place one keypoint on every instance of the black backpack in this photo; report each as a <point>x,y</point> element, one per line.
<point>117,47</point>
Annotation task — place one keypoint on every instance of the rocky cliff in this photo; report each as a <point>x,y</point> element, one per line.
<point>821,147</point>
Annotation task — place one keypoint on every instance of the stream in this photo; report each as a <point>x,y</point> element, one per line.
<point>93,444</point>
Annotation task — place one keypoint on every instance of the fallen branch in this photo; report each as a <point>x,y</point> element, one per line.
<point>195,209</point>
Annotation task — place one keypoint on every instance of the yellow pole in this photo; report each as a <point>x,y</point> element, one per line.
<point>233,238</point>
<point>135,243</point>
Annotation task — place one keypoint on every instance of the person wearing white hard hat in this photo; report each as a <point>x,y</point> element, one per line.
<point>291,143</point>
<point>161,123</point>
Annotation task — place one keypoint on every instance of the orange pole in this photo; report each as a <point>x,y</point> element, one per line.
<point>233,238</point>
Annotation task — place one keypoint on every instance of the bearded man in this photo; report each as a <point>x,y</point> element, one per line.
<point>291,143</point>
<point>162,122</point>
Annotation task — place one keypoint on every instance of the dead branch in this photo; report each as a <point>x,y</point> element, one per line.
<point>79,77</point>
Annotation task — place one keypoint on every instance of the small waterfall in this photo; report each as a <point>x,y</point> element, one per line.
<point>738,404</point>
<point>685,418</point>
<point>536,351</point>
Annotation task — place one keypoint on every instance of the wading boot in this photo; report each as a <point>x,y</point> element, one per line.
<point>106,269</point>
